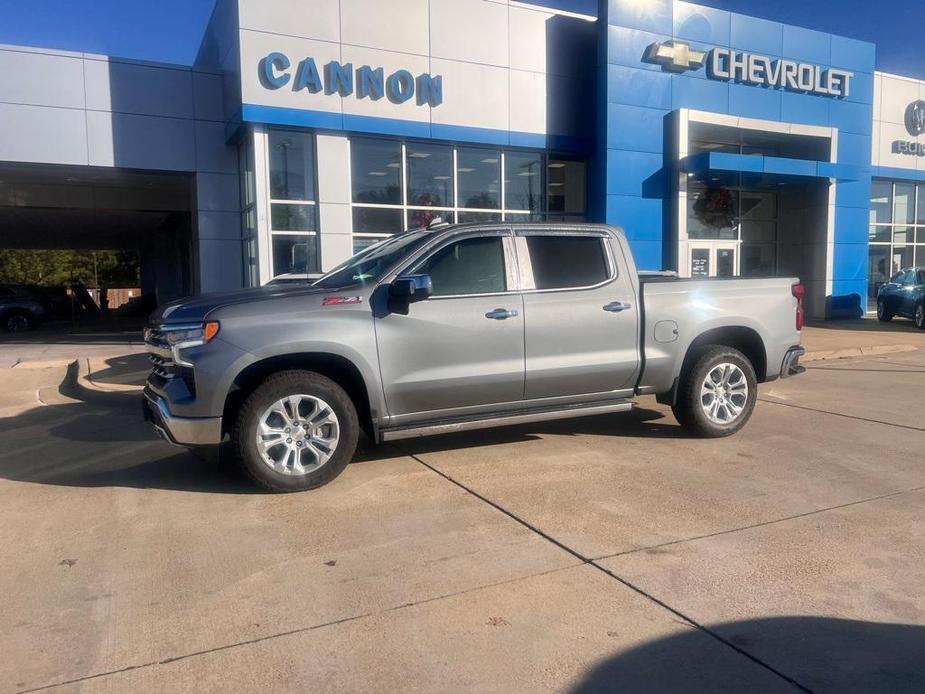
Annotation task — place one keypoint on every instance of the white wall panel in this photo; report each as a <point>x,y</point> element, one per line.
<point>469,30</point>
<point>396,25</point>
<point>41,80</point>
<point>473,95</point>
<point>335,249</point>
<point>141,89</point>
<point>212,153</point>
<point>217,192</point>
<point>141,142</point>
<point>896,94</point>
<point>528,102</point>
<point>335,218</point>
<point>311,19</point>
<point>207,96</point>
<point>528,39</point>
<point>333,155</point>
<point>390,62</point>
<point>43,135</point>
<point>255,46</point>
<point>216,224</point>
<point>220,265</point>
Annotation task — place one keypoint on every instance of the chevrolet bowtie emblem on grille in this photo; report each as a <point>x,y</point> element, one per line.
<point>675,56</point>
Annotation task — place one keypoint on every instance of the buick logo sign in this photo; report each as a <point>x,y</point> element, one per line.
<point>915,118</point>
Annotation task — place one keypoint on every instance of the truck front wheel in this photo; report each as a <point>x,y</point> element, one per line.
<point>298,430</point>
<point>717,395</point>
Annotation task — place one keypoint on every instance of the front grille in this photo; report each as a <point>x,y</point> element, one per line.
<point>163,368</point>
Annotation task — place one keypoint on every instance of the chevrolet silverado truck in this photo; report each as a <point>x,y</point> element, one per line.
<point>458,327</point>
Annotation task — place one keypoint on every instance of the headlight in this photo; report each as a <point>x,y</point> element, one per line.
<point>183,336</point>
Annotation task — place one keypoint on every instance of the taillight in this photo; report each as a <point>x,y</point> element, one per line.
<point>798,292</point>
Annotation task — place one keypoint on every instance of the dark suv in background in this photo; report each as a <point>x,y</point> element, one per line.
<point>21,308</point>
<point>903,295</point>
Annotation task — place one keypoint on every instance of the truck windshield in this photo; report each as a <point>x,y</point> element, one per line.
<point>370,264</point>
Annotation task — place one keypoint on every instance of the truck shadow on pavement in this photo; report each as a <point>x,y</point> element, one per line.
<point>105,443</point>
<point>815,654</point>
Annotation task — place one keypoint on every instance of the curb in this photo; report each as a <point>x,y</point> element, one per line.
<point>85,378</point>
<point>855,352</point>
<point>78,385</point>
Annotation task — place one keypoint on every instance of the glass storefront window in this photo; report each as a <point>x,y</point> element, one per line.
<point>904,203</point>
<point>881,202</point>
<point>879,233</point>
<point>430,175</point>
<point>566,188</point>
<point>294,254</point>
<point>523,181</point>
<point>292,217</point>
<point>920,215</point>
<point>377,220</point>
<point>398,185</point>
<point>421,218</point>
<point>471,217</point>
<point>898,239</point>
<point>292,165</point>
<point>479,176</point>
<point>902,257</point>
<point>375,171</point>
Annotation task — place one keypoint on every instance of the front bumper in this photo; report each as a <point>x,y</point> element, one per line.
<point>791,364</point>
<point>182,431</point>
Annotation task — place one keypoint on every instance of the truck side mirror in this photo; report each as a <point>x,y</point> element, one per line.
<point>411,288</point>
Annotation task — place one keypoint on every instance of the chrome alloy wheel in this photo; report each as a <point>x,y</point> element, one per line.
<point>297,434</point>
<point>724,393</point>
<point>920,316</point>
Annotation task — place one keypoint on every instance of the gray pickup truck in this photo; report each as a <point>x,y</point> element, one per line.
<point>460,327</point>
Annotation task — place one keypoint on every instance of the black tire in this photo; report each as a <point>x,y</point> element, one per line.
<point>273,389</point>
<point>688,408</point>
<point>918,315</point>
<point>16,321</point>
<point>884,315</point>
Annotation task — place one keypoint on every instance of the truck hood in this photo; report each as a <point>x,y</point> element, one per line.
<point>196,308</point>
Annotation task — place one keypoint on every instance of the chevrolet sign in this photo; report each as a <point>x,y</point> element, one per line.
<point>752,68</point>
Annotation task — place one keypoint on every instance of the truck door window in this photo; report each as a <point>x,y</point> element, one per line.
<point>567,262</point>
<point>469,266</point>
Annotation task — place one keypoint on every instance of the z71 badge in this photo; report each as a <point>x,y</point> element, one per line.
<point>340,300</point>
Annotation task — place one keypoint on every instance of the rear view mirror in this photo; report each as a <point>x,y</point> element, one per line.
<point>411,288</point>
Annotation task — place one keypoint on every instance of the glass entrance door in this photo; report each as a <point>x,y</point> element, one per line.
<point>714,259</point>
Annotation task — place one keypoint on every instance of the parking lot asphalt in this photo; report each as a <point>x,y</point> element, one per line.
<point>603,554</point>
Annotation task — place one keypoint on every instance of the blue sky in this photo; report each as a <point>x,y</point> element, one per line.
<point>170,30</point>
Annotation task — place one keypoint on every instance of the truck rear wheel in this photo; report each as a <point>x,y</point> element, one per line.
<point>298,430</point>
<point>717,395</point>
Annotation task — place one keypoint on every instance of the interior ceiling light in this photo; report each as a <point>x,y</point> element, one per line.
<point>490,161</point>
<point>378,173</point>
<point>419,155</point>
<point>465,169</point>
<point>556,165</point>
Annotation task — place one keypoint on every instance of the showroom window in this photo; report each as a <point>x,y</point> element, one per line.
<point>248,211</point>
<point>404,185</point>
<point>897,231</point>
<point>293,202</point>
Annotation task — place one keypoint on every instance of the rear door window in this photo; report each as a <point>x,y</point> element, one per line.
<point>568,262</point>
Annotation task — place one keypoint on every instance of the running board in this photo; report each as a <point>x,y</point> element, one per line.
<point>501,420</point>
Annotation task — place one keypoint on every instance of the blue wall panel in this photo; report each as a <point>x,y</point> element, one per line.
<point>637,130</point>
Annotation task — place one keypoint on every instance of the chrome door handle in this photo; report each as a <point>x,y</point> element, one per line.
<point>501,314</point>
<point>617,306</point>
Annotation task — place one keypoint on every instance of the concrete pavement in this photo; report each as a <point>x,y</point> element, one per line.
<point>606,554</point>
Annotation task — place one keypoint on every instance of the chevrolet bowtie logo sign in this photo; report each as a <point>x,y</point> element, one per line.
<point>675,56</point>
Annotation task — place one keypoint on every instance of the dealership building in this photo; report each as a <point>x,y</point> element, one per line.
<point>306,130</point>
